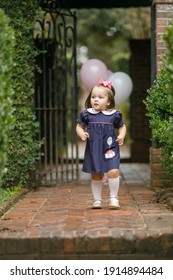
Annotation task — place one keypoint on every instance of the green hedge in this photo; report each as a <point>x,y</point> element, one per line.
<point>23,148</point>
<point>158,108</point>
<point>6,91</point>
<point>159,105</point>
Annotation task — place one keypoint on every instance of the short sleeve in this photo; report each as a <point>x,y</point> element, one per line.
<point>83,119</point>
<point>119,121</point>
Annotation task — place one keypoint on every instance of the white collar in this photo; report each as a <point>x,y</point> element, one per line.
<point>108,112</point>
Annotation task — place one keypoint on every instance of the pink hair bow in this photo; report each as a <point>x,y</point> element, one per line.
<point>105,83</point>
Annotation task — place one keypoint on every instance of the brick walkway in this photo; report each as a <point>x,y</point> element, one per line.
<point>58,223</point>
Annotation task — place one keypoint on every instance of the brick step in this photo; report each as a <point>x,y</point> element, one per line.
<point>88,247</point>
<point>59,222</point>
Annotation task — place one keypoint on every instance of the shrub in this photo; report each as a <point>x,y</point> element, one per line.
<point>159,105</point>
<point>6,92</point>
<point>158,108</point>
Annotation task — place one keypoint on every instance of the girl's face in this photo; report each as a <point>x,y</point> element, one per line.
<point>99,98</point>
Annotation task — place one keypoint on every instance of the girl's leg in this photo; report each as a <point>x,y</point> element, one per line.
<point>114,182</point>
<point>96,187</point>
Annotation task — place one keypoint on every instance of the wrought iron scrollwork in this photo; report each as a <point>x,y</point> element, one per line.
<point>56,91</point>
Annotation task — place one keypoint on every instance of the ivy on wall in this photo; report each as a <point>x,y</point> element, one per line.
<point>6,91</point>
<point>23,147</point>
<point>168,37</point>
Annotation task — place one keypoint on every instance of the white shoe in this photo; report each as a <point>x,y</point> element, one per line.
<point>97,204</point>
<point>114,203</point>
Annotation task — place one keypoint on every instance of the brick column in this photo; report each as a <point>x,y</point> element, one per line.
<point>164,16</point>
<point>159,176</point>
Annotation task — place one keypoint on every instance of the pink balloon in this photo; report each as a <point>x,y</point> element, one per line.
<point>91,72</point>
<point>109,73</point>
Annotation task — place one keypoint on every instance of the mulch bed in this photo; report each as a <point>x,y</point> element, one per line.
<point>165,195</point>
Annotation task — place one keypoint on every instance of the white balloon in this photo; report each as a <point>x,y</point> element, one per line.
<point>123,86</point>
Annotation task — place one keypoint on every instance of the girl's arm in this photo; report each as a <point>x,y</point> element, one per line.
<point>122,134</point>
<point>81,132</point>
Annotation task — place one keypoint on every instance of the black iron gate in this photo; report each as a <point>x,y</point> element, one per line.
<point>56,95</point>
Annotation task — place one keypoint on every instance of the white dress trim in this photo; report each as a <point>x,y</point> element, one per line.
<point>106,112</point>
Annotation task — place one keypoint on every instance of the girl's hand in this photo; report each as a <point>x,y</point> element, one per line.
<point>120,140</point>
<point>122,134</point>
<point>84,136</point>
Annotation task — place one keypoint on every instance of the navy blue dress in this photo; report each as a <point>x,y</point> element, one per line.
<point>102,151</point>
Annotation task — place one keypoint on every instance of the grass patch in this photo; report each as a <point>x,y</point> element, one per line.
<point>6,194</point>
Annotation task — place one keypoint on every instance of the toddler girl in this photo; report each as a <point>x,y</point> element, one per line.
<point>98,125</point>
